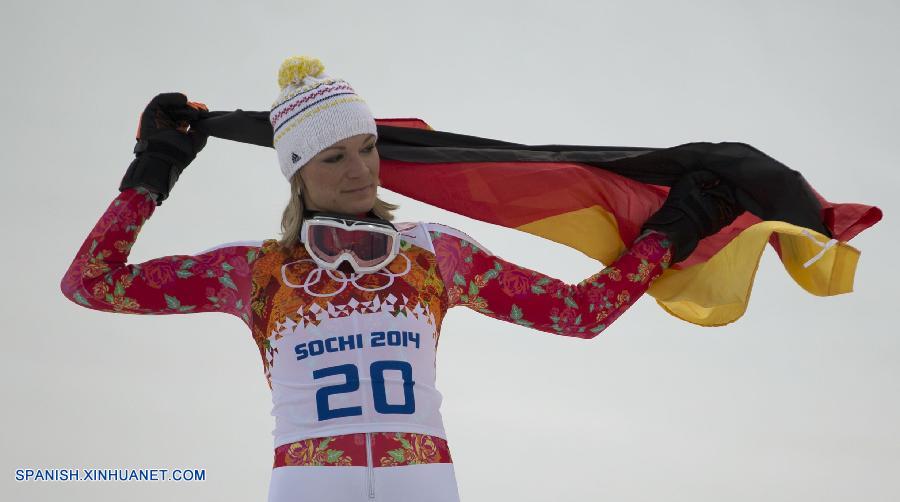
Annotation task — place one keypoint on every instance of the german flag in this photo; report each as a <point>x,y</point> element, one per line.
<point>596,198</point>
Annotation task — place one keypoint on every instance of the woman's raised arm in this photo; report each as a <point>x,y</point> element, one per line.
<point>100,278</point>
<point>486,283</point>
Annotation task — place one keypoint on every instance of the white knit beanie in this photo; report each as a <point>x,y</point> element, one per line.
<point>312,112</point>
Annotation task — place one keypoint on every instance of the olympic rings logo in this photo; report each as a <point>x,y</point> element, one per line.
<point>315,275</point>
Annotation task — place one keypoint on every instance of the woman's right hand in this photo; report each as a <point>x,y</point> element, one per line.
<point>165,144</point>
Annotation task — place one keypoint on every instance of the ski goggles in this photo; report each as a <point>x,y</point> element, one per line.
<point>368,244</point>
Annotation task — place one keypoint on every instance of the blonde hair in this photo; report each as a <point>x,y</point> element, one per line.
<point>292,218</point>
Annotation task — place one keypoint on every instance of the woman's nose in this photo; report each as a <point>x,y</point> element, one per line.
<point>357,167</point>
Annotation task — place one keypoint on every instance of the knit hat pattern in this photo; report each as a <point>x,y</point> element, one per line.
<point>313,111</point>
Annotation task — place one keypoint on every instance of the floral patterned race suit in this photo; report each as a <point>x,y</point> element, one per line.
<point>350,359</point>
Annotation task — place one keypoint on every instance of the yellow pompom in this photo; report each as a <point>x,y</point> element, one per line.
<point>295,68</point>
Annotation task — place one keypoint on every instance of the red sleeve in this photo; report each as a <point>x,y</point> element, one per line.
<point>99,277</point>
<point>495,287</point>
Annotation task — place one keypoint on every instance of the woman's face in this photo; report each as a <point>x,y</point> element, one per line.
<point>343,178</point>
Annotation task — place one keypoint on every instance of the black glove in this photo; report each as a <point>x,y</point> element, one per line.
<point>164,145</point>
<point>699,205</point>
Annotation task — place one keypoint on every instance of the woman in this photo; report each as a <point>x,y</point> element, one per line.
<point>346,307</point>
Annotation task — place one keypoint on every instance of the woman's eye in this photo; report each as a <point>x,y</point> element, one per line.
<point>338,158</point>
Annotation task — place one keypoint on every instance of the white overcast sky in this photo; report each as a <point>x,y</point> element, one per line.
<point>798,400</point>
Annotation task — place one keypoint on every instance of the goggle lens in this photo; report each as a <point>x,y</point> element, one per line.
<point>367,247</point>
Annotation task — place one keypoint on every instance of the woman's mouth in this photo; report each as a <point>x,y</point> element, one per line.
<point>359,189</point>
